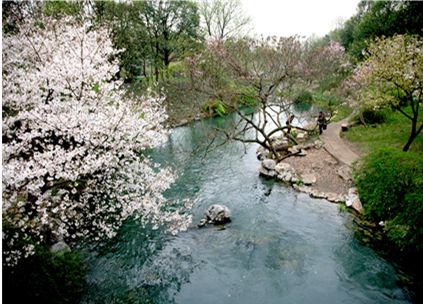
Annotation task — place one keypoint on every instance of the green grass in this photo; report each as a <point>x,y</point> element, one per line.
<point>393,133</point>
<point>342,111</point>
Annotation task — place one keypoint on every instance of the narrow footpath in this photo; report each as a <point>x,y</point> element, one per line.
<point>335,145</point>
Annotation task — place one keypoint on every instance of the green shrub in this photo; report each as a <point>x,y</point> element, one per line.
<point>373,116</point>
<point>45,278</point>
<point>215,107</point>
<point>304,97</point>
<point>390,184</point>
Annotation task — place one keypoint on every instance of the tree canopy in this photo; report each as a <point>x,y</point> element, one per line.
<point>376,19</point>
<point>392,76</point>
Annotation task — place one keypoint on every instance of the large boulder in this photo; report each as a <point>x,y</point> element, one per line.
<point>269,164</point>
<point>281,145</point>
<point>216,214</point>
<point>261,153</point>
<point>267,168</point>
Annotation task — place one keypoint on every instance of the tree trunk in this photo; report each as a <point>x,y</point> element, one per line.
<point>413,134</point>
<point>144,72</point>
<point>156,72</point>
<point>166,57</point>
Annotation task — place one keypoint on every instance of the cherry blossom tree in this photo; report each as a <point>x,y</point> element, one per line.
<point>74,166</point>
<point>392,76</point>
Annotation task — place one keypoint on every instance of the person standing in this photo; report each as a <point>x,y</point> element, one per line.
<point>289,122</point>
<point>321,121</point>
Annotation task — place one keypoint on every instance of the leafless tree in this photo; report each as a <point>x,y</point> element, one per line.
<point>268,66</point>
<point>224,18</point>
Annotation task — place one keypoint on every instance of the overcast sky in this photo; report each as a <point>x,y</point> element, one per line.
<point>302,17</point>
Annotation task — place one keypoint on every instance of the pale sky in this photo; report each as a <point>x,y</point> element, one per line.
<point>301,17</point>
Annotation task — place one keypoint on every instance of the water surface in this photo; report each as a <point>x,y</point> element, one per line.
<point>281,247</point>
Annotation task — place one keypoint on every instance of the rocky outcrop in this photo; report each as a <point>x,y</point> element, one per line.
<point>331,197</point>
<point>281,144</point>
<point>267,168</point>
<point>216,214</point>
<point>353,201</point>
<point>286,173</point>
<point>309,181</point>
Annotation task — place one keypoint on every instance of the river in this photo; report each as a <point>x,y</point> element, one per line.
<point>281,247</point>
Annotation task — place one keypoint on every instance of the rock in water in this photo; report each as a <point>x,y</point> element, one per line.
<point>60,248</point>
<point>217,215</point>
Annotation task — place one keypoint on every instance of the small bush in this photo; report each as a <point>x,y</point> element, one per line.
<point>373,117</point>
<point>304,97</point>
<point>45,278</point>
<point>215,107</point>
<point>390,184</point>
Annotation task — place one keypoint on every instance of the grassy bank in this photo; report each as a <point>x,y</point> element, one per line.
<point>390,184</point>
<point>393,132</point>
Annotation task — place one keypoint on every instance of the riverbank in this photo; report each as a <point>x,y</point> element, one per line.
<point>331,164</point>
<point>331,175</point>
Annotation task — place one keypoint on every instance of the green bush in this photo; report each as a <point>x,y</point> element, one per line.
<point>45,278</point>
<point>304,97</point>
<point>373,116</point>
<point>390,184</point>
<point>215,107</point>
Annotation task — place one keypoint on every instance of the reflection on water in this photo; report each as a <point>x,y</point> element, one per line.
<point>281,247</point>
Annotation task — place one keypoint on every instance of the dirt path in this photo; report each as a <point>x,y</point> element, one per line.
<point>335,146</point>
<point>327,163</point>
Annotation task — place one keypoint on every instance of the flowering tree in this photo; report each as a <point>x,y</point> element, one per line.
<point>392,76</point>
<point>329,61</point>
<point>73,166</point>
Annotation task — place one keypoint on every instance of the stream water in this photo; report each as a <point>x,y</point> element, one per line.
<point>281,247</point>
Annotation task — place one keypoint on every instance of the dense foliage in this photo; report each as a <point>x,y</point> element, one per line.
<point>45,278</point>
<point>379,18</point>
<point>153,34</point>
<point>390,183</point>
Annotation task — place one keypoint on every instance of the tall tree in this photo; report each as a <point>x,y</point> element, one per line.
<point>380,18</point>
<point>224,18</point>
<point>129,33</point>
<point>173,28</point>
